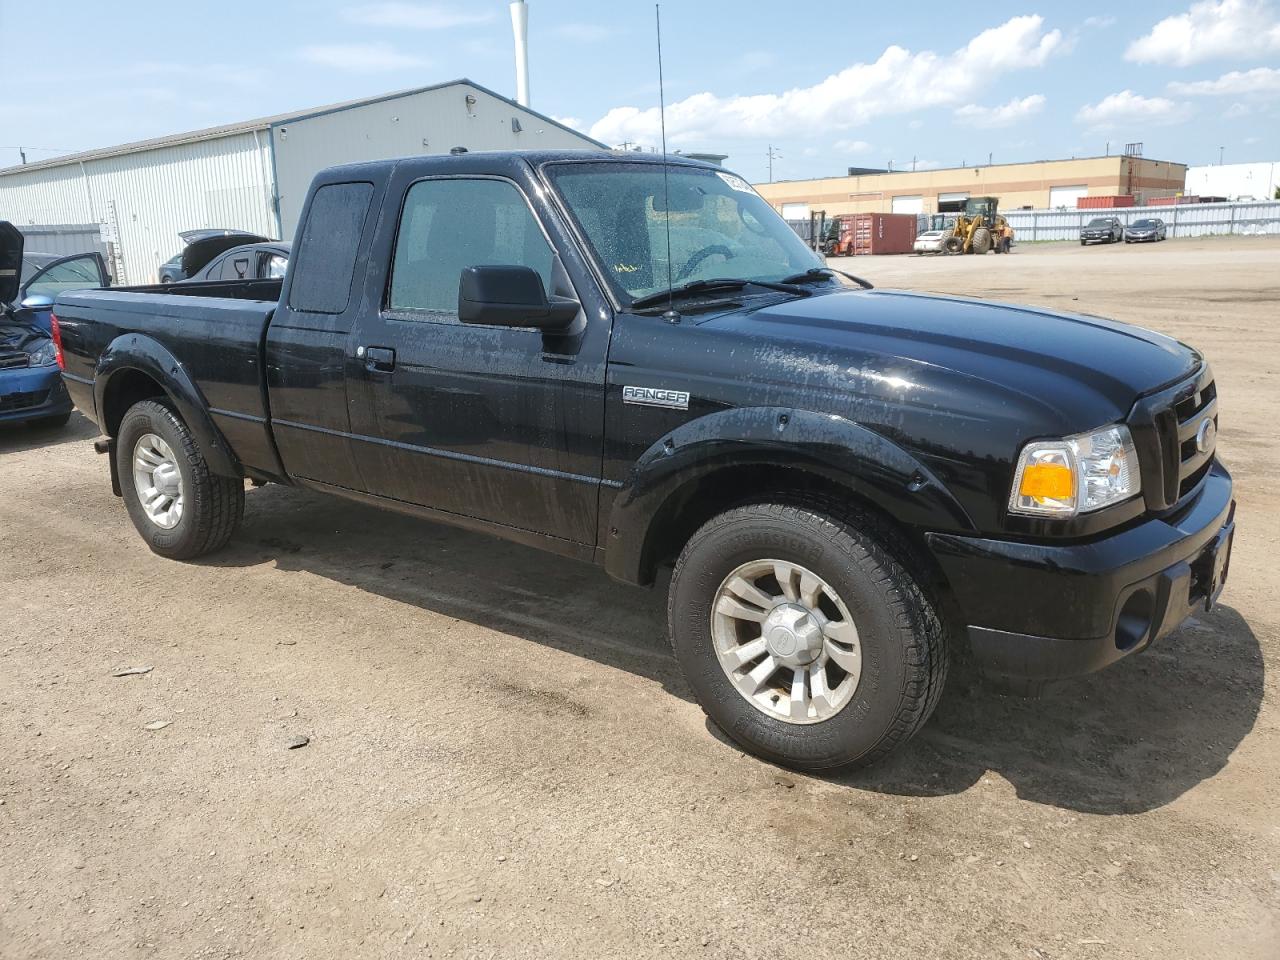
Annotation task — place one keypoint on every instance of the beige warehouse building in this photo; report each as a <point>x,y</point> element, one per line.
<point>1042,185</point>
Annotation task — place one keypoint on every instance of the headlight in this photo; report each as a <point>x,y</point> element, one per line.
<point>1060,478</point>
<point>46,355</point>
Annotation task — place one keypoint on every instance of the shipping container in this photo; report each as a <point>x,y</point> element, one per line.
<point>1107,202</point>
<point>869,233</point>
<point>1170,201</point>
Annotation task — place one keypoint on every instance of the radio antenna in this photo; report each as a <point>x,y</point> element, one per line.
<point>670,316</point>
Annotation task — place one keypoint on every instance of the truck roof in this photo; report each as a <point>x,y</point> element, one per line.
<point>536,158</point>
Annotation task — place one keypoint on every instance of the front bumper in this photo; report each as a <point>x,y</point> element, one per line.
<point>1039,612</point>
<point>1139,237</point>
<point>32,394</point>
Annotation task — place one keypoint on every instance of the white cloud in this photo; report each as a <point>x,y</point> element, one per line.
<point>1127,108</point>
<point>1005,115</point>
<point>414,16</point>
<point>583,32</point>
<point>360,57</point>
<point>1226,29</point>
<point>853,146</point>
<point>898,82</point>
<point>1260,80</point>
<point>574,123</point>
<point>1237,110</point>
<point>1099,23</point>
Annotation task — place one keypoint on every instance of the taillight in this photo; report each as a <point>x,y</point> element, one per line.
<point>56,329</point>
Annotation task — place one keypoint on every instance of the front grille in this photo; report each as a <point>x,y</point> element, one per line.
<point>11,360</point>
<point>22,401</point>
<point>1169,431</point>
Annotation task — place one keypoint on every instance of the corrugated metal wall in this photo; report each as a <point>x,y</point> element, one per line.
<point>430,122</point>
<point>1183,220</point>
<point>64,239</point>
<point>148,197</point>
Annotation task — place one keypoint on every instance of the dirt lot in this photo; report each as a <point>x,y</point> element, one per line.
<point>504,761</point>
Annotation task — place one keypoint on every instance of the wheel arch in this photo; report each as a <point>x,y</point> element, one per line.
<point>135,367</point>
<point>728,458</point>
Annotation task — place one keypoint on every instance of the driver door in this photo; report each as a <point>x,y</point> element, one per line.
<point>81,271</point>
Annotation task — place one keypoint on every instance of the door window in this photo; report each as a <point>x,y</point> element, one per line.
<point>79,273</point>
<point>449,225</point>
<point>275,267</point>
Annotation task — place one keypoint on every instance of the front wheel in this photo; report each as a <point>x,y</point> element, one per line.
<point>803,638</point>
<point>181,509</point>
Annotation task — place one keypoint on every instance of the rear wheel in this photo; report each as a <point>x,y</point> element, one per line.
<point>953,245</point>
<point>981,240</point>
<point>803,638</point>
<point>181,509</point>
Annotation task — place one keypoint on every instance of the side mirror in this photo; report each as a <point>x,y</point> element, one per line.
<point>36,301</point>
<point>511,296</point>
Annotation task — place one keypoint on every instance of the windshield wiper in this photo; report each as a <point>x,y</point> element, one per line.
<point>822,273</point>
<point>715,283</point>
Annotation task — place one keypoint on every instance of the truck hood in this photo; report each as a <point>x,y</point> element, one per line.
<point>1053,370</point>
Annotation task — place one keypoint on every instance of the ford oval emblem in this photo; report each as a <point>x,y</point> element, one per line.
<point>1205,435</point>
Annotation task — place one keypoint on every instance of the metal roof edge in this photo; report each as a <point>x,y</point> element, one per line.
<point>269,123</point>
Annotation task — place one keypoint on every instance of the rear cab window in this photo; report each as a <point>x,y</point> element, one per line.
<point>325,260</point>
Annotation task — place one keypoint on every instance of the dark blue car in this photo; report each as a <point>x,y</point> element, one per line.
<point>31,387</point>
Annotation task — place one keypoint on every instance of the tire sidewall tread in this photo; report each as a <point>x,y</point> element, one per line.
<point>212,505</point>
<point>902,639</point>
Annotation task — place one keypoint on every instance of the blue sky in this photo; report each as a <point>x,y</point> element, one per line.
<point>942,83</point>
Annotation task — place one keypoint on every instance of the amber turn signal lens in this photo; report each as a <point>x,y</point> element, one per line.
<point>1047,481</point>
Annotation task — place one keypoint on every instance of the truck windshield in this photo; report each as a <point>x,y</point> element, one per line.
<point>720,227</point>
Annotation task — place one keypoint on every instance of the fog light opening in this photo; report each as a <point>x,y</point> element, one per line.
<point>1134,623</point>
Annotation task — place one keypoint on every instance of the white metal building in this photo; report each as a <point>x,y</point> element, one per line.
<point>1235,181</point>
<point>254,175</point>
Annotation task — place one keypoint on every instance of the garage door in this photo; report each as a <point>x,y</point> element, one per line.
<point>1066,196</point>
<point>795,211</point>
<point>913,204</point>
<point>952,197</point>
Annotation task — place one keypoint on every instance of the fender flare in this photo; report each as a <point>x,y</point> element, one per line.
<point>138,352</point>
<point>839,450</point>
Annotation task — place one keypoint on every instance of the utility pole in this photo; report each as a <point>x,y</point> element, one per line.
<point>1221,151</point>
<point>773,155</point>
<point>913,164</point>
<point>23,154</point>
<point>989,155</point>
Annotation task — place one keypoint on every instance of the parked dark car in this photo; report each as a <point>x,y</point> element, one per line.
<point>202,246</point>
<point>171,270</point>
<point>1102,230</point>
<point>31,384</point>
<point>253,261</point>
<point>842,481</point>
<point>1149,229</point>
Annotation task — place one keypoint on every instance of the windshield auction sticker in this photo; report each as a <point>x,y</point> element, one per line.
<point>736,182</point>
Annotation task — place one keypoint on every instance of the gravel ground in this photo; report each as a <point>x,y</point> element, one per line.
<point>504,761</point>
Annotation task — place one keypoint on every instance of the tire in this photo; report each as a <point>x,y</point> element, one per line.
<point>952,245</point>
<point>899,638</point>
<point>1082,243</point>
<point>981,240</point>
<point>211,506</point>
<point>51,423</point>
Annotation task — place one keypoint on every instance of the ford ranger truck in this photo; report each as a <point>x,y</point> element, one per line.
<point>635,363</point>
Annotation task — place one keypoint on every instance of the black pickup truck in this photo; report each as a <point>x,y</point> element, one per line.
<point>638,364</point>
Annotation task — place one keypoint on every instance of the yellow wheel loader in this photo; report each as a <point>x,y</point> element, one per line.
<point>979,229</point>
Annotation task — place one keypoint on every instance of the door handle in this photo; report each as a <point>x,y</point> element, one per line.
<point>377,359</point>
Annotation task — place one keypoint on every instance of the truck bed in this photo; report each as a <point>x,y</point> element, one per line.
<point>214,330</point>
